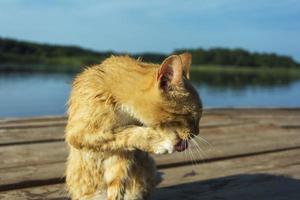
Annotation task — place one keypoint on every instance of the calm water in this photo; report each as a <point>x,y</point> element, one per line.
<point>47,94</point>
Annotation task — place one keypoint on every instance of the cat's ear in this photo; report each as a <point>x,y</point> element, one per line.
<point>186,59</point>
<point>170,72</point>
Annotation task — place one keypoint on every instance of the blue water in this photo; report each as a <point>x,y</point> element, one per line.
<point>252,96</point>
<point>33,94</point>
<point>46,94</point>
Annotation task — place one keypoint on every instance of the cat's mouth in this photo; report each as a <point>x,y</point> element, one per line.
<point>181,145</point>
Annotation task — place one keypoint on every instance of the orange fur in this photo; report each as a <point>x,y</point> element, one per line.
<point>119,111</point>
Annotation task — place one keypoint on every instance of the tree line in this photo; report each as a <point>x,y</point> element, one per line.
<point>16,55</point>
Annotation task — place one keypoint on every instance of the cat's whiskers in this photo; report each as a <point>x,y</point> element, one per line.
<point>203,140</point>
<point>182,146</point>
<point>194,160</point>
<point>191,157</point>
<point>198,148</point>
<point>195,148</point>
<point>196,152</point>
<point>185,143</point>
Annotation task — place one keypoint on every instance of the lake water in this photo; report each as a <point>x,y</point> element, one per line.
<point>46,94</point>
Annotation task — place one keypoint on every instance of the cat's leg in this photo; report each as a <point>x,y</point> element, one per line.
<point>126,138</point>
<point>142,177</point>
<point>116,175</point>
<point>83,175</point>
<point>96,196</point>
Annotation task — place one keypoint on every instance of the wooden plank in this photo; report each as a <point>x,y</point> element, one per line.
<point>264,116</point>
<point>260,186</point>
<point>38,129</point>
<point>48,192</point>
<point>275,162</point>
<point>253,111</point>
<point>23,120</point>
<point>11,131</point>
<point>224,141</point>
<point>32,125</point>
<point>33,135</point>
<point>33,154</point>
<point>20,177</point>
<point>44,133</point>
<point>268,176</point>
<point>33,162</point>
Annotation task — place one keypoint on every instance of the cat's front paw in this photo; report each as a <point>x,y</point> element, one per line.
<point>164,147</point>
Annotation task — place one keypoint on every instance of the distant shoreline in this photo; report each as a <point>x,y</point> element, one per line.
<point>196,70</point>
<point>22,56</point>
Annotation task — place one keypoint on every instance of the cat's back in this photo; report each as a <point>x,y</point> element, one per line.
<point>115,76</point>
<point>125,65</point>
<point>96,77</point>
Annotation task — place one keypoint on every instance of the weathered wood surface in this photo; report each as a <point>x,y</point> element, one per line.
<point>254,153</point>
<point>270,175</point>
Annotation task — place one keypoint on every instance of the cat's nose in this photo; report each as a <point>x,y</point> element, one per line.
<point>194,133</point>
<point>196,130</point>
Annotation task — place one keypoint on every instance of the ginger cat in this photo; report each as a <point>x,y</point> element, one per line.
<point>119,112</point>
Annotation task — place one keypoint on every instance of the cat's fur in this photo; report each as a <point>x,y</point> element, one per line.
<point>119,111</point>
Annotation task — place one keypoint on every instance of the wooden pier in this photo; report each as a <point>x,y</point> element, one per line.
<point>252,154</point>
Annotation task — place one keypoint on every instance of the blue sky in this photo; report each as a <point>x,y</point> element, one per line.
<point>157,25</point>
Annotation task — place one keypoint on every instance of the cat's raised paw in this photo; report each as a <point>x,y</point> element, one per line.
<point>164,147</point>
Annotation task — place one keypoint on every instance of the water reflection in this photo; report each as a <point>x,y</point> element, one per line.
<point>35,94</point>
<point>239,81</point>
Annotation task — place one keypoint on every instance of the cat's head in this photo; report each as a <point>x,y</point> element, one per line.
<point>180,106</point>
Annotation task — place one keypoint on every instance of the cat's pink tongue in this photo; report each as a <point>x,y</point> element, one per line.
<point>181,146</point>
